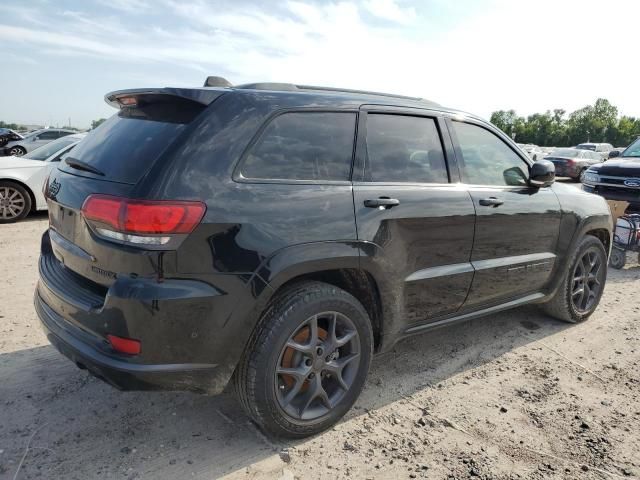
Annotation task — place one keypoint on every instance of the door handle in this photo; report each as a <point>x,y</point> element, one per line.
<point>382,203</point>
<point>491,202</point>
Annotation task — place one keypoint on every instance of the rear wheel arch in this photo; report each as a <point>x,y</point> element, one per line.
<point>358,283</point>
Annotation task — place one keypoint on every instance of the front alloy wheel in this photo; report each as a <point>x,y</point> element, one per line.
<point>588,279</point>
<point>15,202</point>
<point>582,283</point>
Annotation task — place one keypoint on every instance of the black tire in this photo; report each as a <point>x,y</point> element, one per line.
<point>17,150</point>
<point>563,304</point>
<point>258,386</point>
<point>580,177</point>
<point>618,258</point>
<point>15,202</point>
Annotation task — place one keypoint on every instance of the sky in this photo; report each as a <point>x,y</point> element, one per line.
<point>60,57</point>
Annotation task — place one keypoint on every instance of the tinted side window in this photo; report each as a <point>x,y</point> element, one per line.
<point>51,135</point>
<point>402,148</point>
<point>486,159</point>
<point>303,146</point>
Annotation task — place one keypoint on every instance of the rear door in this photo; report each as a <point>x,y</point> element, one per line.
<point>418,223</point>
<point>517,226</point>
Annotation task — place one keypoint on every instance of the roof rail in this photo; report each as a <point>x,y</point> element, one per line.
<point>361,92</point>
<point>288,87</point>
<point>291,87</point>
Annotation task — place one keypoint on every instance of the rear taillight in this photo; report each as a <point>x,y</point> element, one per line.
<point>45,185</point>
<point>124,345</point>
<point>143,222</point>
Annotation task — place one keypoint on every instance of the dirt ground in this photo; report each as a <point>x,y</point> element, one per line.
<point>515,395</point>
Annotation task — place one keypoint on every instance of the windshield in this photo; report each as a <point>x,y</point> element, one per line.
<point>632,150</point>
<point>587,146</point>
<point>45,151</point>
<point>566,152</point>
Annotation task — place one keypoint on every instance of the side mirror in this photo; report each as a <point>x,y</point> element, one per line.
<point>542,174</point>
<point>614,153</point>
<point>33,139</point>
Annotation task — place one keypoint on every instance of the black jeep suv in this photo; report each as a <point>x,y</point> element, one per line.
<point>275,236</point>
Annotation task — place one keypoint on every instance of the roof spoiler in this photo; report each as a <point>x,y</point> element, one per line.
<point>131,97</point>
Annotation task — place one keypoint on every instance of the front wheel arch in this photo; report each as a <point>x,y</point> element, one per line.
<point>562,305</point>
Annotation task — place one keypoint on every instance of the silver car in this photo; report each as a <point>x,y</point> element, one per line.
<point>34,140</point>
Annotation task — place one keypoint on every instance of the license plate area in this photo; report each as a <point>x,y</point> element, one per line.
<point>63,220</point>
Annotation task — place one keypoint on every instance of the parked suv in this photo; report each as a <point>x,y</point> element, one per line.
<point>276,236</point>
<point>617,178</point>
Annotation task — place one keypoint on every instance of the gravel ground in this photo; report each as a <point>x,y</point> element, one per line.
<point>515,395</point>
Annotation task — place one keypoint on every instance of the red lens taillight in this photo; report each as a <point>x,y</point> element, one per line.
<point>147,217</point>
<point>124,345</point>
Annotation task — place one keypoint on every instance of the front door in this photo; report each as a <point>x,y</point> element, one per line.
<point>419,225</point>
<point>517,226</point>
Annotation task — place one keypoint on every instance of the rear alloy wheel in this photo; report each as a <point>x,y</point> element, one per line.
<point>583,283</point>
<point>307,361</point>
<point>581,175</point>
<point>17,151</point>
<point>317,366</point>
<point>15,202</point>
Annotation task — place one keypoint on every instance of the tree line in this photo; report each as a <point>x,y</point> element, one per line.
<point>594,123</point>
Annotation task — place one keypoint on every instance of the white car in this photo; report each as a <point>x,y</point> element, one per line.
<point>22,178</point>
<point>34,140</point>
<point>533,151</point>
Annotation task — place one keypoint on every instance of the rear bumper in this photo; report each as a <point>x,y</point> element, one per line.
<point>73,343</point>
<point>192,330</point>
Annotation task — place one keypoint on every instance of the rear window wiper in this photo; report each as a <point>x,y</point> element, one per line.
<point>80,165</point>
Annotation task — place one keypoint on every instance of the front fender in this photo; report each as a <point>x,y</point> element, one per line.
<point>581,214</point>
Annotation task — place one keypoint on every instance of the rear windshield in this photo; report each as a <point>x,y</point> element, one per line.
<point>587,146</point>
<point>125,146</point>
<point>566,152</point>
